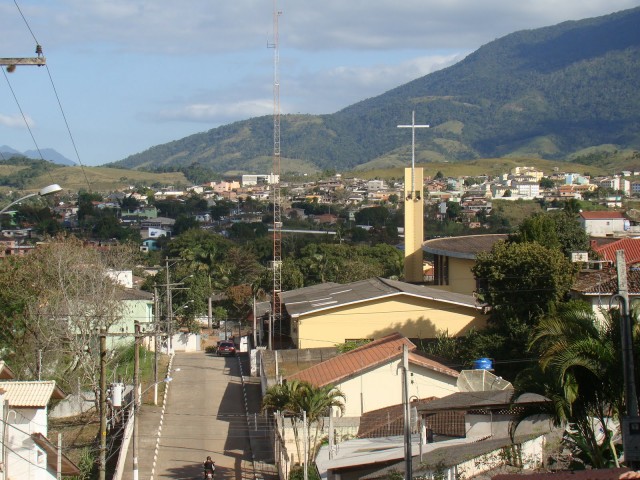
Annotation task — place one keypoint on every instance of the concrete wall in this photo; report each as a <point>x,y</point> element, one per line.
<point>186,342</point>
<point>413,317</point>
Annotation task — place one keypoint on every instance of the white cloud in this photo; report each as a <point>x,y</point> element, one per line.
<point>16,121</point>
<point>217,113</point>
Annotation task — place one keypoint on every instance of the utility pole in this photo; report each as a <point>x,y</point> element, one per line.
<point>407,413</point>
<point>103,404</point>
<point>11,63</point>
<point>631,421</point>
<point>156,314</point>
<point>136,373</point>
<point>169,312</point>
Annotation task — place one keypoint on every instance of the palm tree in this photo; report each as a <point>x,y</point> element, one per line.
<point>294,397</point>
<point>580,370</point>
<point>317,402</point>
<point>280,398</point>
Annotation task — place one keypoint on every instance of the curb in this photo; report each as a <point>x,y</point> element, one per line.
<point>164,406</point>
<point>246,410</point>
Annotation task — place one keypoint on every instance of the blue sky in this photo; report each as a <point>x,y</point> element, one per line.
<point>131,74</point>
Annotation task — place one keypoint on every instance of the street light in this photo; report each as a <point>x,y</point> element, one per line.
<point>48,190</point>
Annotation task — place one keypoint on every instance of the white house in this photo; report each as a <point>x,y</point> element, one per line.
<point>602,223</point>
<point>27,454</point>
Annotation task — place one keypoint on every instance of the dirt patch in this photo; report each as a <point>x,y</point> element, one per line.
<point>78,433</point>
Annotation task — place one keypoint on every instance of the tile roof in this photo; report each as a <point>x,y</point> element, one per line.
<point>467,246</point>
<point>134,294</point>
<point>331,295</point>
<point>367,356</point>
<point>5,372</point>
<point>631,247</point>
<point>30,394</point>
<point>605,282</point>
<point>601,215</point>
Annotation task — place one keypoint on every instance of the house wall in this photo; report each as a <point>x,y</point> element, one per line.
<point>140,310</point>
<point>26,460</point>
<point>461,280</point>
<point>382,387</point>
<point>602,226</point>
<point>411,316</point>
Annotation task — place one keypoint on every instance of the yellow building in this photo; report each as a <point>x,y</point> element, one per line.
<point>330,313</point>
<point>453,258</point>
<point>359,373</point>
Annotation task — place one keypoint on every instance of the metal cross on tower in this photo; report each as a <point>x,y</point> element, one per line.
<point>413,127</point>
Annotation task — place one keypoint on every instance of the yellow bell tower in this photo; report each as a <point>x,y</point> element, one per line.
<point>413,212</point>
<point>413,225</point>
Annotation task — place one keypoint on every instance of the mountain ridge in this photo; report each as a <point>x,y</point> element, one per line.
<point>546,92</point>
<point>48,154</point>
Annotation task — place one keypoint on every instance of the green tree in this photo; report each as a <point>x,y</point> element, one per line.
<point>53,303</point>
<point>372,216</point>
<point>185,222</point>
<point>555,230</point>
<point>546,182</point>
<point>522,280</point>
<point>581,371</point>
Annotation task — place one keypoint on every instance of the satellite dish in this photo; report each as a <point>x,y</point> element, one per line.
<point>481,380</point>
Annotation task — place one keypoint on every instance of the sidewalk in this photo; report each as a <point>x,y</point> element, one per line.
<point>261,447</point>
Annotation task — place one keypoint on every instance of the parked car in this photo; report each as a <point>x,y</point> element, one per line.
<point>226,348</point>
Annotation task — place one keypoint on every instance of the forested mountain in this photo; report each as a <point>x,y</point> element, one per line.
<point>551,92</point>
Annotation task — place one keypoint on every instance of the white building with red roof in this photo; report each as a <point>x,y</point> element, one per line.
<point>604,222</point>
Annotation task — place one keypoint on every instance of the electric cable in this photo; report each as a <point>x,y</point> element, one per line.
<point>55,91</point>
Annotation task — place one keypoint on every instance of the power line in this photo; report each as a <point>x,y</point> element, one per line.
<point>55,91</point>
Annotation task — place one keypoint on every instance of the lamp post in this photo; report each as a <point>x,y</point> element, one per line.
<point>48,190</point>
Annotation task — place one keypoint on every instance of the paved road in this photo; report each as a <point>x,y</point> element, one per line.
<point>205,414</point>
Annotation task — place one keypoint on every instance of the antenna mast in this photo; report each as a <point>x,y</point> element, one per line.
<point>275,184</point>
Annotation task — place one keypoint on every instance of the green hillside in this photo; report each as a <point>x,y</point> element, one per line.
<point>546,93</point>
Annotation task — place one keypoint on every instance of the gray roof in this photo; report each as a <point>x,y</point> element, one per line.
<point>467,246</point>
<point>451,455</point>
<point>480,400</point>
<point>330,295</point>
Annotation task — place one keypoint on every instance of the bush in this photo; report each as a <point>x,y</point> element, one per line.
<point>297,472</point>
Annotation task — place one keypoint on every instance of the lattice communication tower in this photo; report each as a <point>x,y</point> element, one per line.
<point>275,183</point>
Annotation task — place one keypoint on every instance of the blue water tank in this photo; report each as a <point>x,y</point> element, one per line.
<point>483,364</point>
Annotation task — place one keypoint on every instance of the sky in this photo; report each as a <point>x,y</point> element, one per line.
<point>125,75</point>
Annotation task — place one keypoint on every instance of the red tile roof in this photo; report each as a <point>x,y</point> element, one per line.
<point>631,247</point>
<point>601,215</point>
<point>370,355</point>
